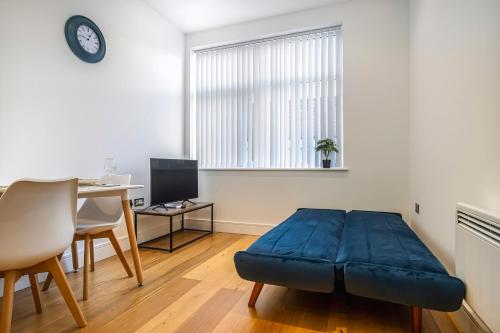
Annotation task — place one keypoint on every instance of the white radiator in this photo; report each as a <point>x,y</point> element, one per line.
<point>477,262</point>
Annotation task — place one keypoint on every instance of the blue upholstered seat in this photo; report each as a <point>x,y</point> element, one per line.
<point>382,258</point>
<point>377,255</point>
<point>299,253</point>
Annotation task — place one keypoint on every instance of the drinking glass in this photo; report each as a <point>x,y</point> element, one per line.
<point>109,167</point>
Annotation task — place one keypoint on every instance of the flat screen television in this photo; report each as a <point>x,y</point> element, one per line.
<point>173,180</point>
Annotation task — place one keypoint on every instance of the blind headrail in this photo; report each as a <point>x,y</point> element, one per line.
<point>268,39</point>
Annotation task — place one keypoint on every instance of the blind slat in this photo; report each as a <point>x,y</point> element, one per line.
<point>303,108</point>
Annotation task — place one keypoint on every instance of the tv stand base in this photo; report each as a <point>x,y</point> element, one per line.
<point>170,214</point>
<point>155,207</point>
<point>172,205</point>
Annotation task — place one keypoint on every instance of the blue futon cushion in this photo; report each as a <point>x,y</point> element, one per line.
<point>383,259</point>
<point>299,253</point>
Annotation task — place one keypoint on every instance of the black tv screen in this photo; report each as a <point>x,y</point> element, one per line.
<point>173,180</point>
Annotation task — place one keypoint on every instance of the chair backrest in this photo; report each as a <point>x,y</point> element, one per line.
<point>104,210</point>
<point>37,221</point>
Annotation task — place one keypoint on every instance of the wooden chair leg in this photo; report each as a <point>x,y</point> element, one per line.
<point>86,259</point>
<point>416,319</point>
<point>92,261</point>
<point>48,279</point>
<point>8,300</point>
<point>74,255</point>
<point>35,290</point>
<point>54,267</point>
<point>119,252</point>
<point>47,282</point>
<point>257,288</point>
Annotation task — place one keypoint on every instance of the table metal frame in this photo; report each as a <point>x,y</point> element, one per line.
<point>171,214</point>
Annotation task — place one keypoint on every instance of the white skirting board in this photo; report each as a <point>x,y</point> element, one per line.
<point>467,321</point>
<point>232,227</point>
<point>103,249</point>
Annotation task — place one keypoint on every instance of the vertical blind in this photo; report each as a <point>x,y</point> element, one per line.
<point>265,103</point>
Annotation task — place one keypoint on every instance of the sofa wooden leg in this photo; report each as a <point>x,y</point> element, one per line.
<point>416,319</point>
<point>257,288</point>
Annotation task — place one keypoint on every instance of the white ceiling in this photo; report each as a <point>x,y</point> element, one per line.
<point>198,15</point>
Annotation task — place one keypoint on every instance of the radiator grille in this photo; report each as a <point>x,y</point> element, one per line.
<point>488,229</point>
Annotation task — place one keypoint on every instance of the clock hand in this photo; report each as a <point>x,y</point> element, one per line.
<point>83,36</point>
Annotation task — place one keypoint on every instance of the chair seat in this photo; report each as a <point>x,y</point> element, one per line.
<point>93,227</point>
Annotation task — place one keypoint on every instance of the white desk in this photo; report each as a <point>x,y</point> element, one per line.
<point>121,191</point>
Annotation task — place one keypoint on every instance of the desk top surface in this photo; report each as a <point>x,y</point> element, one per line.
<point>82,189</point>
<point>89,189</point>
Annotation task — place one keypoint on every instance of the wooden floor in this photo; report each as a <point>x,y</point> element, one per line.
<point>196,289</point>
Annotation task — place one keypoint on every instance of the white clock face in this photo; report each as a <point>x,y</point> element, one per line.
<point>88,39</point>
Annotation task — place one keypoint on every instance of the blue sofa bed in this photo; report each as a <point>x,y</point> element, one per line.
<point>375,254</point>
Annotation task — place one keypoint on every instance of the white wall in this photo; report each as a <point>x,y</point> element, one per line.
<point>455,114</point>
<point>375,120</point>
<point>60,116</point>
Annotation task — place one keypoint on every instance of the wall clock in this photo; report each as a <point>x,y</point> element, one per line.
<point>85,39</point>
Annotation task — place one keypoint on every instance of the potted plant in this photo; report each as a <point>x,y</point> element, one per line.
<point>326,146</point>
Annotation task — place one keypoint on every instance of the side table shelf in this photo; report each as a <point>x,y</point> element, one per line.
<point>179,238</point>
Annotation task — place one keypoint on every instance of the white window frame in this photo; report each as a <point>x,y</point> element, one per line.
<point>340,164</point>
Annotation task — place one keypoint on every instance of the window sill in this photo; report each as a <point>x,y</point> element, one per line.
<point>336,169</point>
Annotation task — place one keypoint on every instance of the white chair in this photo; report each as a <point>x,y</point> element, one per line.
<point>96,219</point>
<point>37,223</point>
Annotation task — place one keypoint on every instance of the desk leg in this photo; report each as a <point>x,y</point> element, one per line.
<point>135,226</point>
<point>133,241</point>
<point>212,219</point>
<point>171,236</point>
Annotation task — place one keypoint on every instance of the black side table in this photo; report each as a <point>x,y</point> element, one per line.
<point>170,213</point>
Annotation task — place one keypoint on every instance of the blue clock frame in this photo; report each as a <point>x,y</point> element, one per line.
<point>70,31</point>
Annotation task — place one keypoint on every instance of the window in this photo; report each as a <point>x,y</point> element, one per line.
<point>265,103</point>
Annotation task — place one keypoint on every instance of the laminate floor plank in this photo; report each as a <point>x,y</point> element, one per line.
<point>208,316</point>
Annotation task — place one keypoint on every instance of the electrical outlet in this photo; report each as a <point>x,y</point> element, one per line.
<point>138,202</point>
<point>417,208</point>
